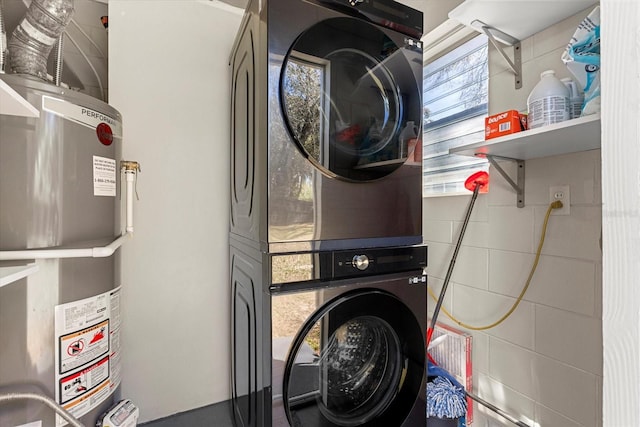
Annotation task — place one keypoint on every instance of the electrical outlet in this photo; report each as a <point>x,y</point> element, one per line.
<point>560,192</point>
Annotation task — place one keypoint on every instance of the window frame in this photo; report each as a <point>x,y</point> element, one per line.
<point>449,186</point>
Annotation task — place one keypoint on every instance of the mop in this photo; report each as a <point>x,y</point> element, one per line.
<point>477,181</point>
<point>445,396</point>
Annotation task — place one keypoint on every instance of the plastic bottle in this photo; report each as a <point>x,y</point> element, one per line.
<point>548,102</point>
<point>576,98</point>
<point>410,131</point>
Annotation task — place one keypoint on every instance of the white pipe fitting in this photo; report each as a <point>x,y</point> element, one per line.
<point>96,252</point>
<point>130,176</point>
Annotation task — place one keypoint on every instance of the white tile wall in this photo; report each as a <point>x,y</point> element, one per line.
<point>475,261</point>
<point>435,284</point>
<point>563,283</point>
<point>578,171</point>
<point>438,260</point>
<point>544,363</point>
<point>478,308</point>
<point>511,229</point>
<point>454,208</point>
<point>573,236</point>
<point>570,338</point>
<point>514,367</point>
<point>476,235</point>
<point>480,352</point>
<point>567,390</point>
<point>549,417</point>
<point>438,231</point>
<point>502,193</point>
<point>505,398</point>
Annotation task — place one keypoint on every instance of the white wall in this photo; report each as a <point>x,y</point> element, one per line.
<point>621,211</point>
<point>169,78</point>
<point>87,16</point>
<point>544,363</point>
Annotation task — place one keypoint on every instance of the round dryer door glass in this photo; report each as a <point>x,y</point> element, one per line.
<point>349,365</point>
<point>351,99</point>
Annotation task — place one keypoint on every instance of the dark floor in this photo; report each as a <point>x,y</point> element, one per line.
<point>217,415</point>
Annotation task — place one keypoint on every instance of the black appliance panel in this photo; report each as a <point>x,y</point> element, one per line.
<point>388,13</point>
<point>302,268</point>
<point>337,199</point>
<point>358,361</point>
<point>350,97</point>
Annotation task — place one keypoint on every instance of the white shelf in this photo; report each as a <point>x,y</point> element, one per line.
<point>11,274</point>
<point>571,136</point>
<point>13,104</point>
<point>518,18</point>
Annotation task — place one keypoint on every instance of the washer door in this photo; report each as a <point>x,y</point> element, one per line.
<point>351,99</point>
<point>358,361</point>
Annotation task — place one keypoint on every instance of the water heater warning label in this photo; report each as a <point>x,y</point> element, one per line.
<point>87,361</point>
<point>104,176</point>
<point>83,346</point>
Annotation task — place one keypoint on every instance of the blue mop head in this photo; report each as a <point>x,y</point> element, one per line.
<point>445,400</point>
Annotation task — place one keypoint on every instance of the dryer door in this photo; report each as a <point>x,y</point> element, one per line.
<point>351,97</point>
<point>358,361</point>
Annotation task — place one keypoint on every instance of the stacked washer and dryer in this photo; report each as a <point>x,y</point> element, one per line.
<point>327,263</point>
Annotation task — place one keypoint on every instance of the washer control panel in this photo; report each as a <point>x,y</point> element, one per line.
<point>357,262</point>
<point>322,266</point>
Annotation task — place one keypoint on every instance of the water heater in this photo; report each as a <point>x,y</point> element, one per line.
<point>60,198</point>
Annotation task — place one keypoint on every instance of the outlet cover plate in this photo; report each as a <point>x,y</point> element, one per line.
<point>562,193</point>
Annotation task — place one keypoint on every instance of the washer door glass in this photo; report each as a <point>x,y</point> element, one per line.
<point>351,99</point>
<point>358,361</point>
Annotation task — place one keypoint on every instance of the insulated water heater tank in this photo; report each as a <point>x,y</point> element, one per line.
<point>59,189</point>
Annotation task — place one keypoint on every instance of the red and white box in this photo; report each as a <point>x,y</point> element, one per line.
<point>504,123</point>
<point>454,354</point>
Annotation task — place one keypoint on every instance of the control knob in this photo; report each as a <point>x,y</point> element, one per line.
<point>361,262</point>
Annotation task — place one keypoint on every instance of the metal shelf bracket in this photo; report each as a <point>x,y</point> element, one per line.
<point>518,186</point>
<point>496,36</point>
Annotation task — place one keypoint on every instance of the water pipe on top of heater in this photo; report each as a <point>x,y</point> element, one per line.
<point>130,170</point>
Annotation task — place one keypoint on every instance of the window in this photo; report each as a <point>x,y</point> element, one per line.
<point>455,98</point>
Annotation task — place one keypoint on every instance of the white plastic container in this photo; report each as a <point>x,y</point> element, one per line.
<point>548,102</point>
<point>576,98</point>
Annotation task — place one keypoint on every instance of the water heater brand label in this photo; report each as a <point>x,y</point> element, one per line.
<point>81,115</point>
<point>104,133</point>
<point>104,176</point>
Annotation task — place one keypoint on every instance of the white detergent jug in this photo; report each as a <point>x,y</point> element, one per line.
<point>576,98</point>
<point>548,102</point>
